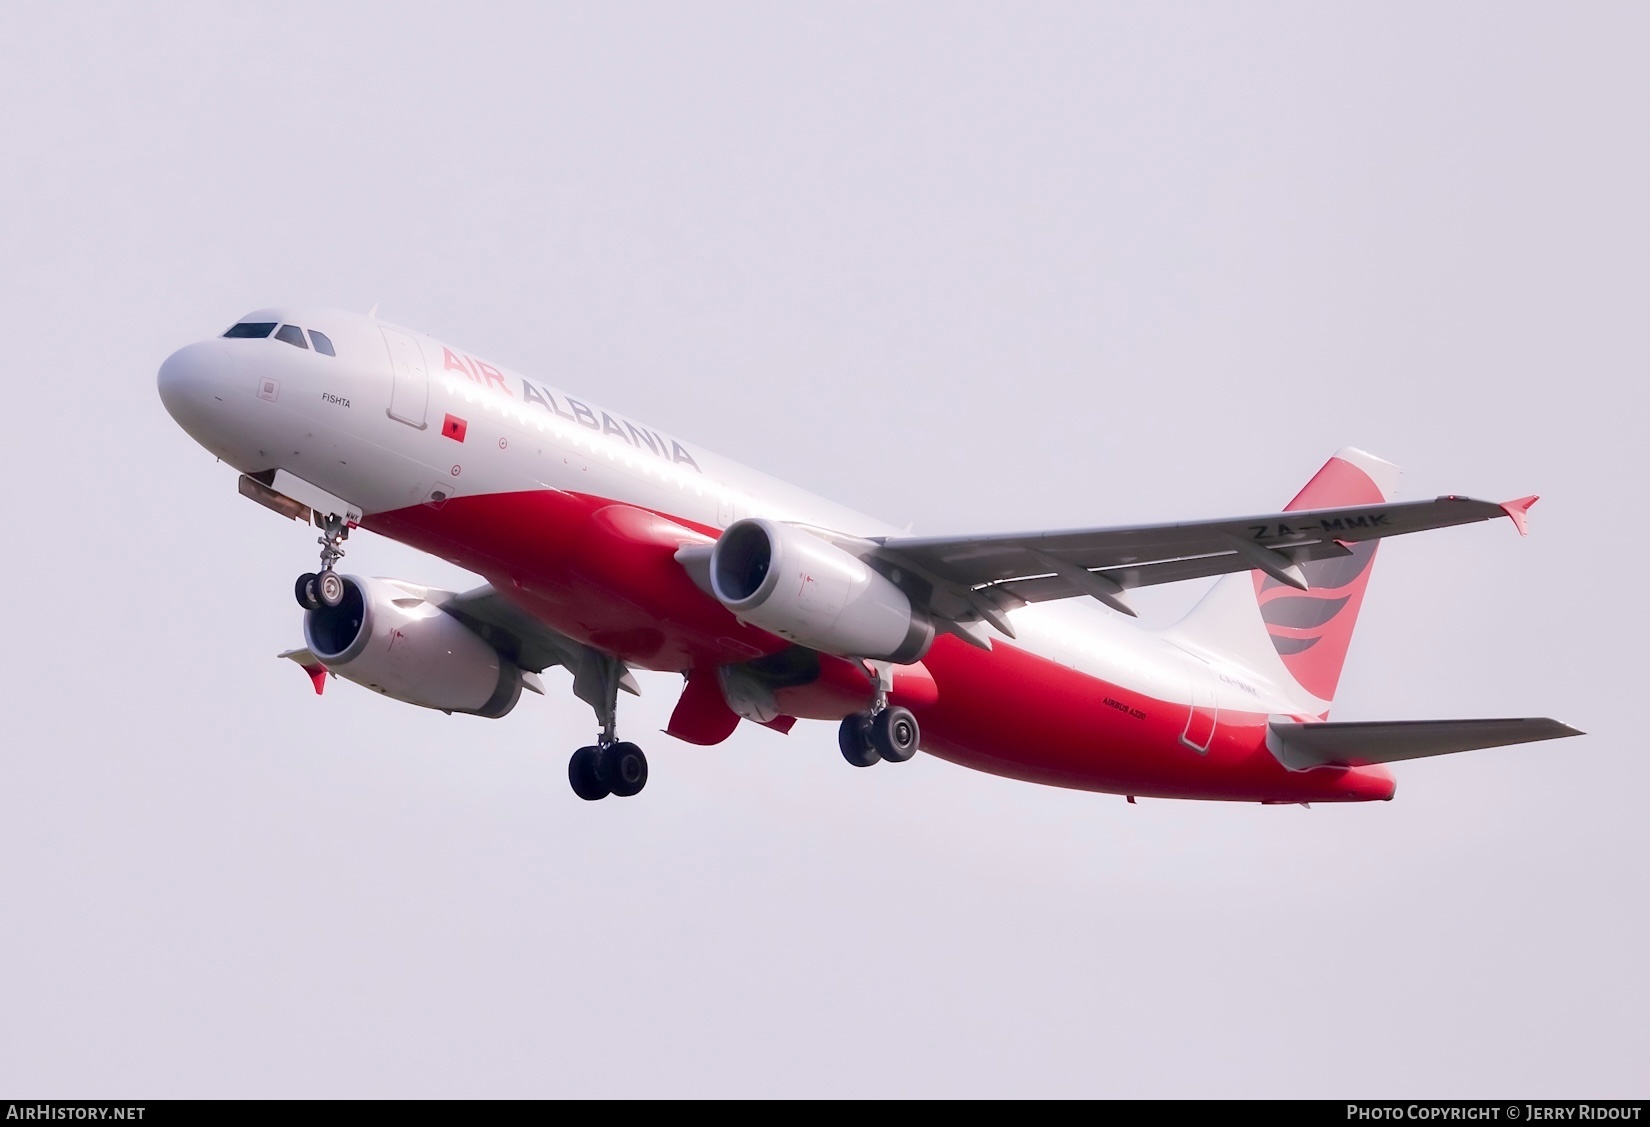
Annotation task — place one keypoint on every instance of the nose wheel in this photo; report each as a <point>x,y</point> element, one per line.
<point>325,588</point>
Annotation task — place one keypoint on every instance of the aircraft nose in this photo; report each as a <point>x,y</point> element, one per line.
<point>191,378</point>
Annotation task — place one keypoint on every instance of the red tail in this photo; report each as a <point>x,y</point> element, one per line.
<point>1312,629</point>
<point>1309,631</point>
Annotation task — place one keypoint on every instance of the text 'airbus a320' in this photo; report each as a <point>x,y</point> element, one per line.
<point>608,545</point>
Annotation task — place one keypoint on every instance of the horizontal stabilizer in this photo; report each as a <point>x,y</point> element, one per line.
<point>1360,743</point>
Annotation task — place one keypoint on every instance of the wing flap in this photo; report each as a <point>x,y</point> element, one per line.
<point>1364,743</point>
<point>1041,588</point>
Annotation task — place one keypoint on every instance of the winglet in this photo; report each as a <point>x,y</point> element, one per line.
<point>308,662</point>
<point>1519,511</point>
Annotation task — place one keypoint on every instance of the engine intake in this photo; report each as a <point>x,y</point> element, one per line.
<point>393,641</point>
<point>792,583</point>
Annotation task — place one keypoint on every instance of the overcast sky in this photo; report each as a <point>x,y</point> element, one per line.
<point>974,267</point>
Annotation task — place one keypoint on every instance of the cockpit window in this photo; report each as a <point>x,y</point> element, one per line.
<point>323,344</point>
<point>292,334</point>
<point>251,329</point>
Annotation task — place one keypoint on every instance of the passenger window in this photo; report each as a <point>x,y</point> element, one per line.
<point>251,329</point>
<point>292,334</point>
<point>323,345</point>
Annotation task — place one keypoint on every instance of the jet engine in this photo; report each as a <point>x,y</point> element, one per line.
<point>390,639</point>
<point>789,582</point>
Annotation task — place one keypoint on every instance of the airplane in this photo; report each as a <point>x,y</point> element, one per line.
<point>609,545</point>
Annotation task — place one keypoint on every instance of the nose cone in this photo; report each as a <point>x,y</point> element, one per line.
<point>193,384</point>
<point>187,377</point>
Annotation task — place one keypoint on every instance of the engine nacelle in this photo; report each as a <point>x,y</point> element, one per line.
<point>792,583</point>
<point>389,639</point>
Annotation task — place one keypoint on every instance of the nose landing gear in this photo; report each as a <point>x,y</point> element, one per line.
<point>314,590</point>
<point>610,765</point>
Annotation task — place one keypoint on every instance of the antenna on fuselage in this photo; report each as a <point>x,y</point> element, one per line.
<point>372,313</point>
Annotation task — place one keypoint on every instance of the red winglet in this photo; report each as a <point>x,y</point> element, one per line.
<point>317,675</point>
<point>1519,510</point>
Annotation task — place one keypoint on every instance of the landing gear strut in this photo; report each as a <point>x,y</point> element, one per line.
<point>609,766</point>
<point>890,733</point>
<point>315,590</point>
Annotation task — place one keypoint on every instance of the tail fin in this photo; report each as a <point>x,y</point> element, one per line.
<point>1298,637</point>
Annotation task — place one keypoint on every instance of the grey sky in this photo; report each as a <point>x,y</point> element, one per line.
<point>974,267</point>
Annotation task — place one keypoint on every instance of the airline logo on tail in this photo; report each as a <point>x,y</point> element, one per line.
<point>1323,614</point>
<point>1312,629</point>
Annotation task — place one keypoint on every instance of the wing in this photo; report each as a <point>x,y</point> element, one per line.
<point>980,577</point>
<point>517,635</point>
<point>510,630</point>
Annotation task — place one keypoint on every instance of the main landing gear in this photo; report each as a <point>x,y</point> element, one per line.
<point>326,587</point>
<point>890,733</point>
<point>610,765</point>
<point>617,768</point>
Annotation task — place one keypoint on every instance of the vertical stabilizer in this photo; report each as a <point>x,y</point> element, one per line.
<point>1298,638</point>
